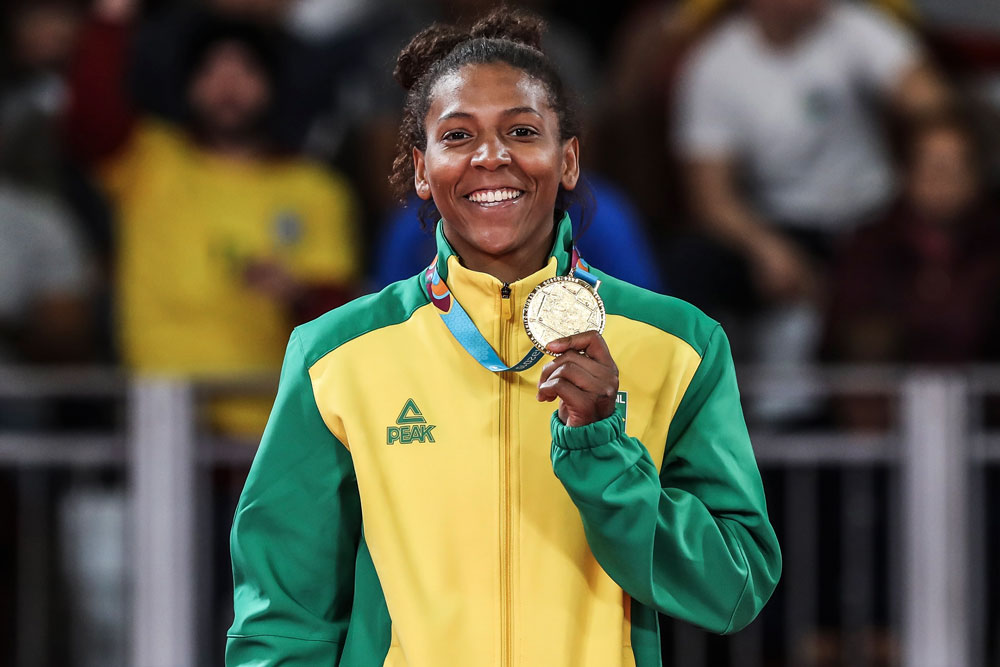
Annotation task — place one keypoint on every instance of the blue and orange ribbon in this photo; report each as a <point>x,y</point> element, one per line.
<point>464,330</point>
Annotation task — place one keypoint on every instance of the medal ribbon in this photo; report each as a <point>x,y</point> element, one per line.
<point>464,330</point>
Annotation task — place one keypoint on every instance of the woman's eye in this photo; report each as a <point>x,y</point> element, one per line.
<point>456,135</point>
<point>523,132</point>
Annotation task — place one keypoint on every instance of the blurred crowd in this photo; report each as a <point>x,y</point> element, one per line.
<point>183,182</point>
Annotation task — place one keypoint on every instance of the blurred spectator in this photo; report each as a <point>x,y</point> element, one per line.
<point>609,233</point>
<point>778,100</point>
<point>40,40</point>
<point>359,122</point>
<point>334,96</point>
<point>699,12</point>
<point>922,284</point>
<point>969,51</point>
<point>627,144</point>
<point>223,245</point>
<point>44,281</point>
<point>647,51</point>
<point>46,270</point>
<point>304,71</point>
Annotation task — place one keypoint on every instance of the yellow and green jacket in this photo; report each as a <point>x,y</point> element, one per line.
<point>409,507</point>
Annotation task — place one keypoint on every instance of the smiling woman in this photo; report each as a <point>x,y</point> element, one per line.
<point>493,166</point>
<point>481,102</point>
<point>474,525</point>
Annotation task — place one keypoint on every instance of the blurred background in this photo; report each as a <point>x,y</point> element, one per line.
<point>181,182</point>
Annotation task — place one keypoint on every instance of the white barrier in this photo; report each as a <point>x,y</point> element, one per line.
<point>162,469</point>
<point>935,557</point>
<point>941,620</point>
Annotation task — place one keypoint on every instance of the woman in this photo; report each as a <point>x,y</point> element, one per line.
<point>402,508</point>
<point>922,285</point>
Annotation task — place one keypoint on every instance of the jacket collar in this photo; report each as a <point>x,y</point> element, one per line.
<point>562,249</point>
<point>481,293</point>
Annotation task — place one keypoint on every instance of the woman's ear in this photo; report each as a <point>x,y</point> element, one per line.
<point>571,163</point>
<point>420,183</point>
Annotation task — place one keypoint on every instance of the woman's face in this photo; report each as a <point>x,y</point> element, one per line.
<point>494,160</point>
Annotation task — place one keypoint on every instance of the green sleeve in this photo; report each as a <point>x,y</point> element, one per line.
<point>692,540</point>
<point>295,536</point>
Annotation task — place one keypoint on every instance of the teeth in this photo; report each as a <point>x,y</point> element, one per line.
<point>493,196</point>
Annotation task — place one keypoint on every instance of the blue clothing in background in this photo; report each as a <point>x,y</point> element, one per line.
<point>614,242</point>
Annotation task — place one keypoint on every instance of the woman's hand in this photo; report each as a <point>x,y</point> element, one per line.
<point>585,378</point>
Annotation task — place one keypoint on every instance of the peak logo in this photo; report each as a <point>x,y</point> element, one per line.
<point>411,426</point>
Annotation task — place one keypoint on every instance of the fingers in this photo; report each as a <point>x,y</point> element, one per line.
<point>590,343</point>
<point>592,366</point>
<point>597,376</point>
<point>574,373</point>
<point>575,399</point>
<point>577,407</point>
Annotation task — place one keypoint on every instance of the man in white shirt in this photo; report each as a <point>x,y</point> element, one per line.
<point>779,126</point>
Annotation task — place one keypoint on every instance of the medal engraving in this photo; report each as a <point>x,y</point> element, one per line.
<point>559,307</point>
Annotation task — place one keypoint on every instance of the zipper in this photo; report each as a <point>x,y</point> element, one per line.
<point>506,380</point>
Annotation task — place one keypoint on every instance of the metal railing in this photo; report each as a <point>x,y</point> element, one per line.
<point>931,525</point>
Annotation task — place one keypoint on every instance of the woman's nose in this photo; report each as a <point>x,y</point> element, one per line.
<point>490,154</point>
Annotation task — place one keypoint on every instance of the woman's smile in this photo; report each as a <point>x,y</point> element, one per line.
<point>494,197</point>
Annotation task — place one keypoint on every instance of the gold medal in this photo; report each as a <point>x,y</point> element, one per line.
<point>560,307</point>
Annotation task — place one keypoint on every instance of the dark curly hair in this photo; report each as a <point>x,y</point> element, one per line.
<point>509,36</point>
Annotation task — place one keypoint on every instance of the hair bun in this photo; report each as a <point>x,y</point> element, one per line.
<point>515,25</point>
<point>427,47</point>
<point>434,43</point>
